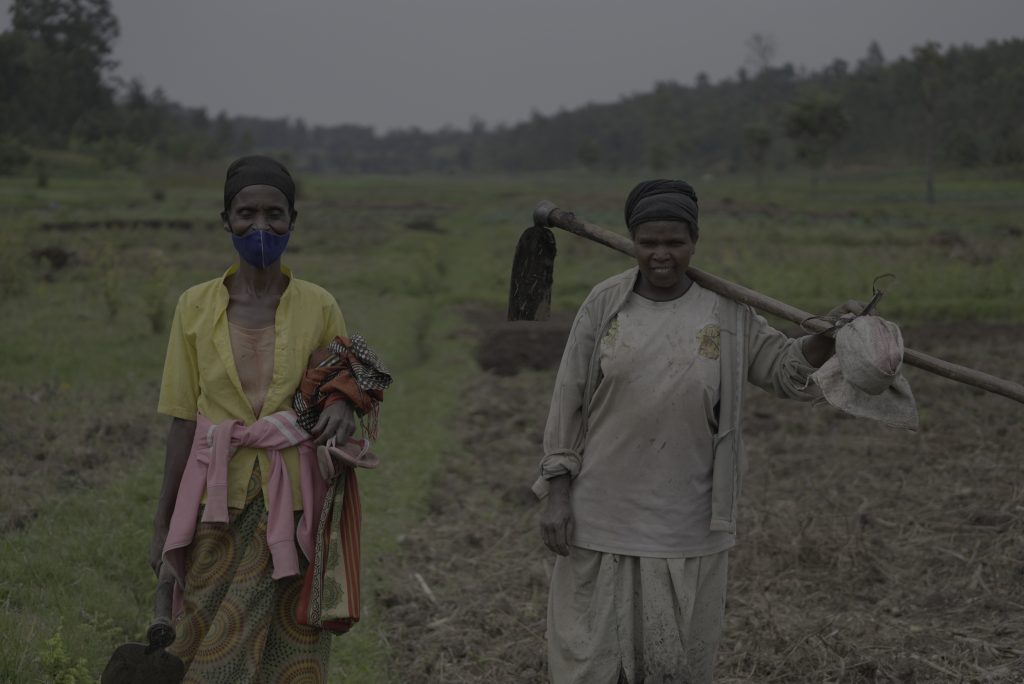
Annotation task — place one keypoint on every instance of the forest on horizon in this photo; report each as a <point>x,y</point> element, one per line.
<point>956,106</point>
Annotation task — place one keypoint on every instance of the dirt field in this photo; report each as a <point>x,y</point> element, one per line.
<point>864,554</point>
<point>51,448</point>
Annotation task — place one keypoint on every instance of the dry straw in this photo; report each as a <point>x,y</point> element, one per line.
<point>865,554</point>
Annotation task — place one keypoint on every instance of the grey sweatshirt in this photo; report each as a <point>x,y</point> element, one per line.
<point>751,350</point>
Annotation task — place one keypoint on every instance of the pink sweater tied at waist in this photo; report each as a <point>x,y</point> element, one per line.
<point>207,471</point>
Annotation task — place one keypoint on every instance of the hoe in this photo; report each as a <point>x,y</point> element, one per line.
<point>533,274</point>
<point>149,663</point>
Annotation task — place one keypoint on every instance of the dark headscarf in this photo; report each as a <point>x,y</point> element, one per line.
<point>662,200</point>
<point>258,170</point>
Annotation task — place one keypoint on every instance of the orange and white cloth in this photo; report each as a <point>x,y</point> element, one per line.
<point>330,590</point>
<point>345,369</point>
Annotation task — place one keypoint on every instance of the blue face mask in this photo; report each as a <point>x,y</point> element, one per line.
<point>261,248</point>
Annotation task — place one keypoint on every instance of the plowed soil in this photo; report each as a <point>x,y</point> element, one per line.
<point>864,554</point>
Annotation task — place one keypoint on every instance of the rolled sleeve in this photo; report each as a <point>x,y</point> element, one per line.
<point>565,431</point>
<point>556,465</point>
<point>777,363</point>
<point>562,463</point>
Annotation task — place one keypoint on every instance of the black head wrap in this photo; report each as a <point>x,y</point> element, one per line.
<point>662,200</point>
<point>258,170</point>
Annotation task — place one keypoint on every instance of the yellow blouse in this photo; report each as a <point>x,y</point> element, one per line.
<point>200,374</point>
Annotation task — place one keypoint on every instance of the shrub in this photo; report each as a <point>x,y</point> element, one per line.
<point>111,277</point>
<point>12,156</point>
<point>57,663</point>
<point>154,297</point>
<point>13,265</point>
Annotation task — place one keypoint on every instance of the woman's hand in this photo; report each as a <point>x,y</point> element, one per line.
<point>337,420</point>
<point>850,306</point>
<point>556,524</point>
<point>156,546</point>
<point>818,348</point>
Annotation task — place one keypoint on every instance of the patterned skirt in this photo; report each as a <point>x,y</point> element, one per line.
<point>238,624</point>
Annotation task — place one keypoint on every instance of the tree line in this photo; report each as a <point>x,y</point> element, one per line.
<point>59,90</point>
<point>958,105</point>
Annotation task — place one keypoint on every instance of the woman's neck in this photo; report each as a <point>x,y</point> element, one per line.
<point>660,294</point>
<point>257,282</point>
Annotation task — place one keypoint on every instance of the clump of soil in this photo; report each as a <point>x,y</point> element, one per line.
<point>426,224</point>
<point>57,256</point>
<point>864,554</point>
<point>508,348</point>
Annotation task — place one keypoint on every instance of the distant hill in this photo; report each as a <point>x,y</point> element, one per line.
<point>967,100</point>
<point>956,106</point>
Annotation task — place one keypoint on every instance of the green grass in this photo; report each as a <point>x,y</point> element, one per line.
<point>80,565</point>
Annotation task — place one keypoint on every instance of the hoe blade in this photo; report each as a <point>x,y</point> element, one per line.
<point>140,664</point>
<point>533,271</point>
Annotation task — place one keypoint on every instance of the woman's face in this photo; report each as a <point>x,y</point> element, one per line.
<point>259,207</point>
<point>663,252</point>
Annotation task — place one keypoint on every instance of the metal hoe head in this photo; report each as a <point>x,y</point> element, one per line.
<point>533,269</point>
<point>149,663</point>
<point>137,664</point>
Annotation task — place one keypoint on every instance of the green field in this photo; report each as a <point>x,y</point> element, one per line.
<point>407,258</point>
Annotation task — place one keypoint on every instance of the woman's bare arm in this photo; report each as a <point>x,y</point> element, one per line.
<point>179,445</point>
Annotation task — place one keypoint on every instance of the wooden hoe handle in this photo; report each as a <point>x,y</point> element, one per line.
<point>547,214</point>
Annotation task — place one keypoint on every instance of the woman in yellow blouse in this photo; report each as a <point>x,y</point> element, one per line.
<point>238,348</point>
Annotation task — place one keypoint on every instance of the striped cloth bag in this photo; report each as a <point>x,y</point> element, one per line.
<point>330,588</point>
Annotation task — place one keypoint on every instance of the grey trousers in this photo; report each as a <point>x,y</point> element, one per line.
<point>650,620</point>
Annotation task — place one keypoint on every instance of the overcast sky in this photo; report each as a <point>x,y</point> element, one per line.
<point>398,63</point>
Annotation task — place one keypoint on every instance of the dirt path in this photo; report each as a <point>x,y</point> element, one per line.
<point>864,554</point>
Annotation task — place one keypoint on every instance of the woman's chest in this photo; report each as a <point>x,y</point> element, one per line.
<point>659,364</point>
<point>252,312</point>
<point>674,344</point>
<point>295,335</point>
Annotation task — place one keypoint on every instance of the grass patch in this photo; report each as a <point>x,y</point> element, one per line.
<point>78,568</point>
